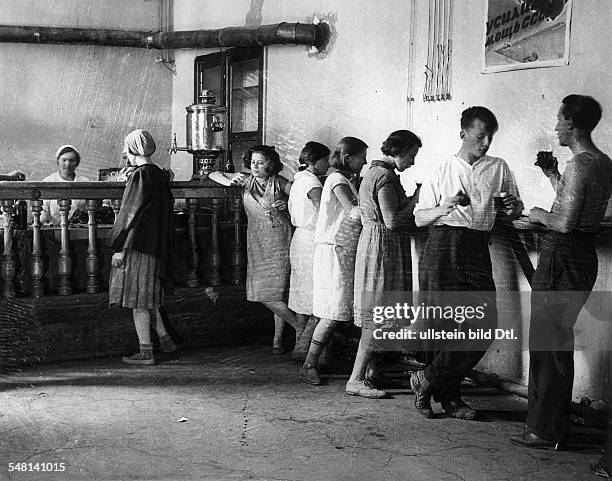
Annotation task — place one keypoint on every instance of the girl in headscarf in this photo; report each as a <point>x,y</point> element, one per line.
<point>143,240</point>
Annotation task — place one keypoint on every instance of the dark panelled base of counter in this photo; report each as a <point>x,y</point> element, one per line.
<point>57,328</point>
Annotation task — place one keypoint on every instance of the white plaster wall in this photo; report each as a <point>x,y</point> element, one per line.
<point>357,89</point>
<point>525,101</point>
<point>88,96</point>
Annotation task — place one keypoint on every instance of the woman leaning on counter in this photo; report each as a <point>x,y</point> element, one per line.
<point>269,231</point>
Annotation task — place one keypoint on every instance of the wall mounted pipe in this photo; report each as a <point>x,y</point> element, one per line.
<point>277,34</point>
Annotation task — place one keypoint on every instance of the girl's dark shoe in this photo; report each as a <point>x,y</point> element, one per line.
<point>142,358</point>
<point>310,375</point>
<point>167,344</point>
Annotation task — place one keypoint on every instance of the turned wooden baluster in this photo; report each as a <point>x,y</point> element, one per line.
<point>116,205</point>
<point>214,259</point>
<point>8,263</point>
<point>36,265</point>
<point>64,261</point>
<point>237,255</point>
<point>93,283</point>
<point>192,276</point>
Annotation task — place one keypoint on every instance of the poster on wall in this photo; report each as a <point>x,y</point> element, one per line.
<point>522,34</point>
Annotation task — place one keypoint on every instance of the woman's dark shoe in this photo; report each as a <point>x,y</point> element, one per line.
<point>422,394</point>
<point>459,409</point>
<point>278,350</point>
<point>310,375</point>
<point>142,358</point>
<point>530,440</point>
<point>167,344</point>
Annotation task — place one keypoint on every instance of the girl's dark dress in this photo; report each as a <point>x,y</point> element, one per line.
<point>144,228</point>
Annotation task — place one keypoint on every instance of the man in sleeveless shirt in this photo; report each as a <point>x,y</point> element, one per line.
<point>568,263</point>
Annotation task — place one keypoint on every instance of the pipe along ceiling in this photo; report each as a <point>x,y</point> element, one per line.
<point>277,34</point>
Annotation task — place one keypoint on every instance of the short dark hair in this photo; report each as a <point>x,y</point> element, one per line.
<point>69,149</point>
<point>484,114</point>
<point>584,111</point>
<point>269,152</point>
<point>400,142</point>
<point>346,146</point>
<point>311,153</point>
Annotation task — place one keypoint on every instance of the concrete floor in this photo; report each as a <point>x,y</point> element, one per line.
<point>248,417</point>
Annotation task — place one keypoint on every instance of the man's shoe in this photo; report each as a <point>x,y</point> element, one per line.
<point>530,440</point>
<point>310,375</point>
<point>422,394</point>
<point>457,408</point>
<point>364,389</point>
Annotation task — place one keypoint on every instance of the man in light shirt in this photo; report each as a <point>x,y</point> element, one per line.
<point>458,202</point>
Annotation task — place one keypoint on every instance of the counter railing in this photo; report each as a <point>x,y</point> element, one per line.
<point>193,192</point>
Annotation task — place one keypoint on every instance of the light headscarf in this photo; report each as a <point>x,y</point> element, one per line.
<point>140,142</point>
<point>67,148</point>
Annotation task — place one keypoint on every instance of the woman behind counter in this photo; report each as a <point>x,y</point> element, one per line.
<point>143,241</point>
<point>269,231</point>
<point>304,202</point>
<point>383,263</point>
<point>68,159</point>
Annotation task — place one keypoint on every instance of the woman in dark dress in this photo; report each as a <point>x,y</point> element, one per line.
<point>143,241</point>
<point>383,264</point>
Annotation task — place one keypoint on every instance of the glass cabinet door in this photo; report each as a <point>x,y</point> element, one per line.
<point>235,78</point>
<point>245,95</point>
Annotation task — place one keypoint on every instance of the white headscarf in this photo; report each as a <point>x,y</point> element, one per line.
<point>140,142</point>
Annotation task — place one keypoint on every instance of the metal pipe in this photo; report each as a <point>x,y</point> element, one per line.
<point>277,34</point>
<point>87,36</point>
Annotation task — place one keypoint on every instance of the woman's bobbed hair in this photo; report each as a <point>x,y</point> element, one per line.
<point>269,152</point>
<point>311,153</point>
<point>346,146</point>
<point>399,142</point>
